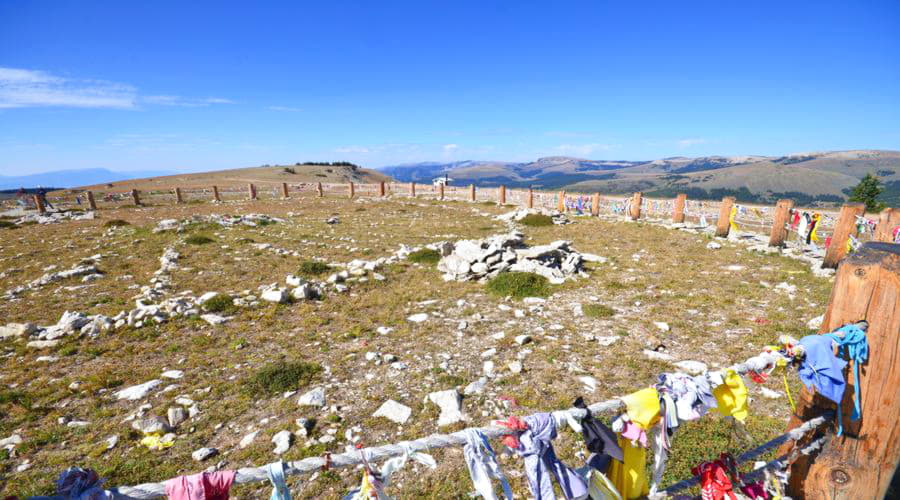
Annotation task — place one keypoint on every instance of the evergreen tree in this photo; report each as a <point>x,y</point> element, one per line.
<point>867,191</point>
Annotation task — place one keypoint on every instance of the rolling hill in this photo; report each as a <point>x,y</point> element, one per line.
<point>808,178</point>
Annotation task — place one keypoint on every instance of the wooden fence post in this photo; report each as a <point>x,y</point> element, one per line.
<point>530,198</point>
<point>178,198</point>
<point>636,199</point>
<point>319,191</point>
<point>381,191</point>
<point>595,205</point>
<point>92,203</point>
<point>888,219</point>
<point>843,229</point>
<point>136,197</point>
<point>471,192</point>
<point>501,195</point>
<point>351,190</point>
<point>39,204</point>
<point>251,191</point>
<point>782,219</point>
<point>441,191</point>
<point>561,202</point>
<point>412,189</point>
<point>860,463</point>
<point>216,193</point>
<point>678,210</point>
<point>284,190</point>
<point>723,225</point>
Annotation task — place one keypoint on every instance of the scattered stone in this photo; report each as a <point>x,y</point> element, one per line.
<point>449,402</point>
<point>248,439</point>
<point>659,356</point>
<point>393,411</point>
<point>204,453</point>
<point>769,393</point>
<point>276,295</point>
<point>713,245</point>
<point>17,330</point>
<point>150,425</point>
<point>315,397</point>
<point>692,367</point>
<point>815,323</point>
<point>384,330</point>
<point>282,440</point>
<point>176,416</point>
<point>173,374</point>
<point>607,341</point>
<point>515,367</point>
<point>139,391</point>
<point>112,441</point>
<point>523,339</point>
<point>590,383</point>
<point>418,318</point>
<point>213,319</point>
<point>661,325</point>
<point>476,387</point>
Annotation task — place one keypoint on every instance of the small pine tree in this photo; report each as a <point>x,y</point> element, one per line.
<point>867,191</point>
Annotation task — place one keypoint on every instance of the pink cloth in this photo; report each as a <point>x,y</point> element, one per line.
<point>203,486</point>
<point>632,431</point>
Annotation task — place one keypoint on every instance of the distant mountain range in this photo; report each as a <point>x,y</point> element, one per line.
<point>72,178</point>
<point>808,178</point>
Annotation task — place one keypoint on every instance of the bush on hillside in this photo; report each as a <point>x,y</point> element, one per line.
<point>519,285</point>
<point>221,303</point>
<point>281,377</point>
<point>536,220</point>
<point>313,268</point>
<point>425,256</point>
<point>597,311</point>
<point>198,239</point>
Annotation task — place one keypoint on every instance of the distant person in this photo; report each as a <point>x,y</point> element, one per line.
<point>22,197</point>
<point>42,195</point>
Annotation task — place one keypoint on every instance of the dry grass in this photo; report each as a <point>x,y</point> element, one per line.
<point>716,316</point>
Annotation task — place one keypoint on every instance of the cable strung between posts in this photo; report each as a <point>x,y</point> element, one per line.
<point>245,475</point>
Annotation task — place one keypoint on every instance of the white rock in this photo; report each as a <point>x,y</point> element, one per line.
<point>476,387</point>
<point>418,318</point>
<point>139,391</point>
<point>175,374</point>
<point>515,367</point>
<point>712,245</point>
<point>17,330</point>
<point>769,393</point>
<point>488,353</point>
<point>533,300</point>
<point>315,397</point>
<point>449,402</point>
<point>176,416</point>
<point>384,330</point>
<point>393,411</point>
<point>112,441</point>
<point>692,367</point>
<point>590,383</point>
<point>204,453</point>
<point>608,341</point>
<point>205,297</point>
<point>523,339</point>
<point>248,439</point>
<point>276,295</point>
<point>660,356</point>
<point>282,440</point>
<point>488,368</point>
<point>11,441</point>
<point>213,319</point>
<point>815,323</point>
<point>661,325</point>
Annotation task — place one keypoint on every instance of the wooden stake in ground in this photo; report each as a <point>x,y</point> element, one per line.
<point>780,222</point>
<point>39,204</point>
<point>412,189</point>
<point>251,191</point>
<point>471,192</point>
<point>92,204</point>
<point>561,203</point>
<point>216,193</point>
<point>530,198</point>
<point>723,225</point>
<point>843,229</point>
<point>381,191</point>
<point>501,195</point>
<point>136,197</point>
<point>441,191</point>
<point>319,190</point>
<point>350,189</point>
<point>678,210</point>
<point>595,204</point>
<point>859,465</point>
<point>178,195</point>
<point>888,219</point>
<point>636,200</point>
<point>284,191</point>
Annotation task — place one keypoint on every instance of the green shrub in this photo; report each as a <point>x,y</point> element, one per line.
<point>221,303</point>
<point>115,223</point>
<point>519,285</point>
<point>198,239</point>
<point>313,268</point>
<point>283,376</point>
<point>597,311</point>
<point>5,224</point>
<point>537,220</point>
<point>425,256</point>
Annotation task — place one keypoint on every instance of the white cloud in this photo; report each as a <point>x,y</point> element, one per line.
<point>686,143</point>
<point>285,108</point>
<point>450,147</point>
<point>583,149</point>
<point>24,88</point>
<point>352,150</point>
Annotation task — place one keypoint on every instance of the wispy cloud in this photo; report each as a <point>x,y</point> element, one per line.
<point>352,150</point>
<point>450,147</point>
<point>686,143</point>
<point>289,109</point>
<point>583,149</point>
<point>25,88</point>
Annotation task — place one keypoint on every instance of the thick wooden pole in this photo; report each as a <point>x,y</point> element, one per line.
<point>860,463</point>
<point>561,203</point>
<point>319,191</point>
<point>351,190</point>
<point>843,229</point>
<point>412,189</point>
<point>178,198</point>
<point>471,192</point>
<point>441,191</point>
<point>92,203</point>
<point>595,205</point>
<point>888,219</point>
<point>216,193</point>
<point>251,191</point>
<point>39,204</point>
<point>381,191</point>
<point>723,225</point>
<point>779,225</point>
<point>678,209</point>
<point>284,190</point>
<point>501,195</point>
<point>136,197</point>
<point>530,198</point>
<point>636,199</point>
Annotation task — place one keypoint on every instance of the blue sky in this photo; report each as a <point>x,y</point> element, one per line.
<point>188,86</point>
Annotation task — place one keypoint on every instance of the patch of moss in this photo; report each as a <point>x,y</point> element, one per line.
<point>5,224</point>
<point>519,285</point>
<point>536,220</point>
<point>313,268</point>
<point>597,311</point>
<point>221,303</point>
<point>283,376</point>
<point>198,239</point>
<point>116,223</point>
<point>425,256</point>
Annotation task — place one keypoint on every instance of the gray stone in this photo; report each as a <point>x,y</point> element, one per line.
<point>248,439</point>
<point>139,391</point>
<point>315,397</point>
<point>176,415</point>
<point>393,411</point>
<point>449,402</point>
<point>17,330</point>
<point>282,440</point>
<point>151,424</point>
<point>204,453</point>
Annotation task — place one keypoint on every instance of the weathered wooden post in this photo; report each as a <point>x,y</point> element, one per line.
<point>501,195</point>
<point>860,463</point>
<point>39,204</point>
<point>843,229</point>
<point>441,191</point>
<point>381,191</point>
<point>636,199</point>
<point>723,225</point>
<point>284,190</point>
<point>178,198</point>
<point>216,193</point>
<point>678,209</point>
<point>92,203</point>
<point>319,190</point>
<point>412,189</point>
<point>530,198</point>
<point>779,226</point>
<point>251,191</point>
<point>888,219</point>
<point>351,190</point>
<point>136,197</point>
<point>471,192</point>
<point>595,205</point>
<point>561,202</point>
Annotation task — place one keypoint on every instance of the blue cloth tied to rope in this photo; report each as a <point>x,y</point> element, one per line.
<point>855,346</point>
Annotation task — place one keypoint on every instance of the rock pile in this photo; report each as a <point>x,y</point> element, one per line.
<point>86,268</point>
<point>519,214</point>
<point>251,220</point>
<point>483,259</point>
<point>54,217</point>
